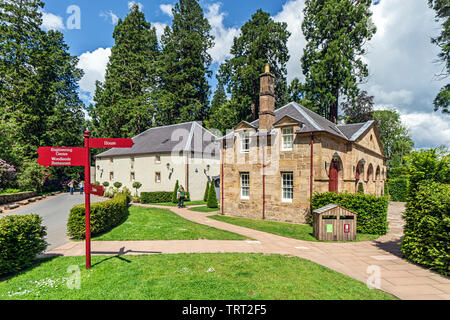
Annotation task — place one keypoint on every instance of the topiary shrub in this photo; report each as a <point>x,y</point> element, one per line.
<point>104,217</point>
<point>175,191</point>
<point>118,185</point>
<point>21,239</point>
<point>106,184</point>
<point>137,186</point>
<point>371,210</point>
<point>212,197</point>
<point>205,196</point>
<point>398,189</point>
<point>427,229</point>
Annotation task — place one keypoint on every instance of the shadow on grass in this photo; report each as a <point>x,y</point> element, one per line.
<point>118,255</point>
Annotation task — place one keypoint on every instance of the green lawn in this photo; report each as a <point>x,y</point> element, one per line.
<point>289,230</point>
<point>162,224</point>
<point>204,209</point>
<point>171,204</point>
<point>186,277</point>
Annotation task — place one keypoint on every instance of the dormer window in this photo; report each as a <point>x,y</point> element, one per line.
<point>245,142</point>
<point>287,136</point>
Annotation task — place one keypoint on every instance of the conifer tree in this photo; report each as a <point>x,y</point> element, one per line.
<point>175,191</point>
<point>205,196</point>
<point>212,197</point>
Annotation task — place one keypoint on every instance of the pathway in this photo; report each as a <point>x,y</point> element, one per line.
<point>363,261</point>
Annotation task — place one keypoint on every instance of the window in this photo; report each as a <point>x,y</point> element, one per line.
<point>157,158</point>
<point>132,163</point>
<point>158,177</point>
<point>287,135</point>
<point>245,143</point>
<point>132,176</point>
<point>245,185</point>
<point>288,187</point>
<point>111,176</point>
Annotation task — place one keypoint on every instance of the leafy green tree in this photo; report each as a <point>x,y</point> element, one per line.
<point>335,31</point>
<point>184,66</point>
<point>212,197</point>
<point>394,136</point>
<point>125,102</point>
<point>442,9</point>
<point>32,176</point>
<point>137,186</point>
<point>262,41</point>
<point>359,109</point>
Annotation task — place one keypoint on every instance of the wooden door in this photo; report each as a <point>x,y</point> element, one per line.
<point>334,177</point>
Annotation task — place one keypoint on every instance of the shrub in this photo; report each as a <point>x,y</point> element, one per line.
<point>21,239</point>
<point>96,183</point>
<point>156,197</point>
<point>371,211</point>
<point>104,216</point>
<point>212,197</point>
<point>126,192</point>
<point>205,196</point>
<point>106,184</point>
<point>398,189</point>
<point>427,228</point>
<point>118,185</point>
<point>137,186</point>
<point>175,191</point>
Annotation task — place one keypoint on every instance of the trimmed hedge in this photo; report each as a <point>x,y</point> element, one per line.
<point>427,228</point>
<point>21,239</point>
<point>371,210</point>
<point>159,197</point>
<point>398,189</point>
<point>104,217</point>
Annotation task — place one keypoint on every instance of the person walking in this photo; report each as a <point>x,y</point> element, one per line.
<point>71,185</point>
<point>81,186</point>
<point>181,195</point>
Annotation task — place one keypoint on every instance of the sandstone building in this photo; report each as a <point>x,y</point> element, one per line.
<point>270,167</point>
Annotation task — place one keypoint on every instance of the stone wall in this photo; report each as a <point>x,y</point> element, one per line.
<point>10,198</point>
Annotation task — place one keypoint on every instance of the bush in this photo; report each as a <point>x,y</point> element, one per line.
<point>205,196</point>
<point>118,185</point>
<point>156,197</point>
<point>371,210</point>
<point>427,228</point>
<point>212,197</point>
<point>398,189</point>
<point>137,186</point>
<point>21,239</point>
<point>104,217</point>
<point>106,184</point>
<point>175,191</point>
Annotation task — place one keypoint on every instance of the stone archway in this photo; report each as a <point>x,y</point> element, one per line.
<point>359,173</point>
<point>335,174</point>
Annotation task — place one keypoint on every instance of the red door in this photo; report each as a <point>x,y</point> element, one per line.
<point>334,177</point>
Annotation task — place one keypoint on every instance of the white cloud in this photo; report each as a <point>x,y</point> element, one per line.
<point>131,3</point>
<point>223,36</point>
<point>159,29</point>
<point>52,22</point>
<point>428,129</point>
<point>94,66</point>
<point>167,9</point>
<point>110,15</point>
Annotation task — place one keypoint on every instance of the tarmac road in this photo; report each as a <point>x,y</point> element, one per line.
<point>55,213</point>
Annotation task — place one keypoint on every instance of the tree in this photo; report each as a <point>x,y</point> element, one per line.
<point>205,196</point>
<point>125,102</point>
<point>442,9</point>
<point>296,91</point>
<point>32,176</point>
<point>262,41</point>
<point>137,186</point>
<point>184,66</point>
<point>212,197</point>
<point>175,192</point>
<point>335,31</point>
<point>359,109</point>
<point>218,101</point>
<point>394,136</point>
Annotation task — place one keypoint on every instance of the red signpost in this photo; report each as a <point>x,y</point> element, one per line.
<point>79,157</point>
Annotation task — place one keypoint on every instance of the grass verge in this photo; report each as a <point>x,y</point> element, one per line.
<point>204,209</point>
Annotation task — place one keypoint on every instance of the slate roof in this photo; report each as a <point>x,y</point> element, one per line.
<point>316,123</point>
<point>188,137</point>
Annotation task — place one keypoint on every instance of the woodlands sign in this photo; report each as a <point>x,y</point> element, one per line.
<point>81,157</point>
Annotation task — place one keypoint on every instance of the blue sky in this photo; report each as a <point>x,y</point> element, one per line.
<point>400,56</point>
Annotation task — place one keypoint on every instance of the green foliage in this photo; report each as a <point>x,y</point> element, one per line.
<point>205,196</point>
<point>184,64</point>
<point>118,185</point>
<point>106,184</point>
<point>175,191</point>
<point>427,228</point>
<point>32,176</point>
<point>359,109</point>
<point>336,32</point>
<point>96,183</point>
<point>159,197</point>
<point>104,216</point>
<point>212,197</point>
<point>125,101</point>
<point>371,210</point>
<point>137,186</point>
<point>398,189</point>
<point>21,239</point>
<point>361,188</point>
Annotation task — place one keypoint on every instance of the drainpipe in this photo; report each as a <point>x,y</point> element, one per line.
<point>263,181</point>
<point>222,183</point>
<point>187,173</point>
<point>311,187</point>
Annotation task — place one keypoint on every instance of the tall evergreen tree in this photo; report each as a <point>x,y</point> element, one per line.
<point>125,102</point>
<point>218,101</point>
<point>262,41</point>
<point>442,8</point>
<point>359,109</point>
<point>335,31</point>
<point>184,65</point>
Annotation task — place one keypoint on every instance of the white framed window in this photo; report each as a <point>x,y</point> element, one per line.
<point>132,176</point>
<point>132,163</point>
<point>158,159</point>
<point>245,142</point>
<point>287,190</point>
<point>287,136</point>
<point>245,185</point>
<point>158,177</point>
<point>111,176</point>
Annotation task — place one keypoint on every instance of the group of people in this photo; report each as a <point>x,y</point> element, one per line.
<point>72,184</point>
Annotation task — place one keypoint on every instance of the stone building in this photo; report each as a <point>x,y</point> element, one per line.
<point>186,152</point>
<point>270,167</point>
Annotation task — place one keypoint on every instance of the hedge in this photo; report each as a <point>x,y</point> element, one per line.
<point>159,197</point>
<point>398,189</point>
<point>104,216</point>
<point>21,239</point>
<point>427,229</point>
<point>371,210</point>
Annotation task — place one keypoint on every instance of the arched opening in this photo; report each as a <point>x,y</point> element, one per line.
<point>336,171</point>
<point>359,173</point>
<point>377,174</point>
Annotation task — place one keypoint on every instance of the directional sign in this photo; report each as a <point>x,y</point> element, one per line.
<point>62,157</point>
<point>111,143</point>
<point>97,190</point>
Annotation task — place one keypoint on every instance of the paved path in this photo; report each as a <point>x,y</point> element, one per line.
<point>55,213</point>
<point>359,260</point>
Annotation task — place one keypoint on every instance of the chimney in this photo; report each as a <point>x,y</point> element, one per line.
<point>267,100</point>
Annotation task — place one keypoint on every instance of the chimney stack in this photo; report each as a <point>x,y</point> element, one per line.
<point>267,100</point>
